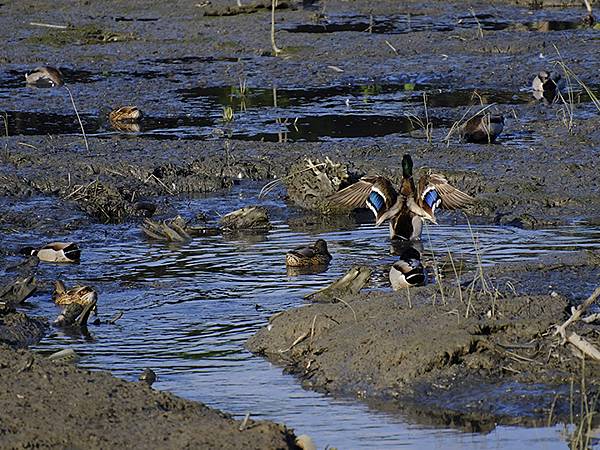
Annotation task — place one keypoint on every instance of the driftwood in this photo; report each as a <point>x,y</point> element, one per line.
<point>175,230</point>
<point>253,218</point>
<point>573,338</point>
<point>350,283</point>
<point>18,291</point>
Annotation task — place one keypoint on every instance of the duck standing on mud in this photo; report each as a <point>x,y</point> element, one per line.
<point>309,256</point>
<point>59,252</point>
<point>407,208</point>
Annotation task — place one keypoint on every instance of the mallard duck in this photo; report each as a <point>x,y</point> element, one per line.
<point>407,208</point>
<point>311,255</point>
<point>81,295</point>
<point>408,270</point>
<point>482,129</point>
<point>61,252</point>
<point>546,86</point>
<point>78,303</point>
<point>125,114</point>
<point>44,77</point>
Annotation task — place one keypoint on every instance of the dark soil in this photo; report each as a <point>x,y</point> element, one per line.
<point>48,404</point>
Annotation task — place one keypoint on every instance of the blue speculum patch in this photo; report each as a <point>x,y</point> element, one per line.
<point>431,197</point>
<point>377,201</point>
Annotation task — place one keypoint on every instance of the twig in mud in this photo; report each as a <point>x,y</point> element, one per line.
<point>74,192</point>
<point>48,25</point>
<point>24,144</point>
<point>296,342</point>
<point>312,327</point>
<point>87,147</point>
<point>552,410</point>
<point>573,338</point>
<point>456,275</point>
<point>159,181</point>
<point>479,27</point>
<point>348,305</point>
<point>244,422</point>
<point>116,317</point>
<point>591,318</point>
<point>392,47</point>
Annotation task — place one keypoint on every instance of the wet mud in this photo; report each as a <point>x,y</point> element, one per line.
<point>463,357</point>
<point>55,405</point>
<point>360,83</point>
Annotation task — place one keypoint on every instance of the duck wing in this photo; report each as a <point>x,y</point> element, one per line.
<point>305,252</point>
<point>434,191</point>
<point>376,193</point>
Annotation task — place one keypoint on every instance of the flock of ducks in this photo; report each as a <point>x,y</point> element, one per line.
<point>405,208</point>
<point>65,252</point>
<point>481,128</point>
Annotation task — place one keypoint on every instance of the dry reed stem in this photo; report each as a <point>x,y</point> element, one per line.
<point>87,147</point>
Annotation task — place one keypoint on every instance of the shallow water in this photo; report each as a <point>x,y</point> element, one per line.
<point>390,106</point>
<point>188,309</point>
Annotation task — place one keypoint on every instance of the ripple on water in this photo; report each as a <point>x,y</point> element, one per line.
<point>189,308</point>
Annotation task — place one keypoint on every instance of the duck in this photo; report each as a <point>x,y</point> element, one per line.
<point>59,252</point>
<point>311,255</point>
<point>482,128</point>
<point>546,86</point>
<point>406,208</point>
<point>81,295</point>
<point>408,271</point>
<point>125,114</point>
<point>45,77</point>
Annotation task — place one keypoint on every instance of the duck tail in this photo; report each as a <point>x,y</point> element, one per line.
<point>407,166</point>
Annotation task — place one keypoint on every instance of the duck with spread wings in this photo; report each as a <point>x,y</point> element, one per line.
<point>406,208</point>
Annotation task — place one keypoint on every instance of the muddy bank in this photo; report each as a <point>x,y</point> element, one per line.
<point>52,404</point>
<point>55,405</point>
<point>468,357</point>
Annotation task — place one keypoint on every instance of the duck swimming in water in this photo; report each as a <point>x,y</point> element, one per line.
<point>409,206</point>
<point>59,252</point>
<point>307,256</point>
<point>45,77</point>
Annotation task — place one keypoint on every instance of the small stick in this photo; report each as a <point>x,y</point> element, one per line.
<point>48,25</point>
<point>276,50</point>
<point>578,312</point>
<point>296,342</point>
<point>244,422</point>
<point>392,47</point>
<point>348,305</point>
<point>87,147</point>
